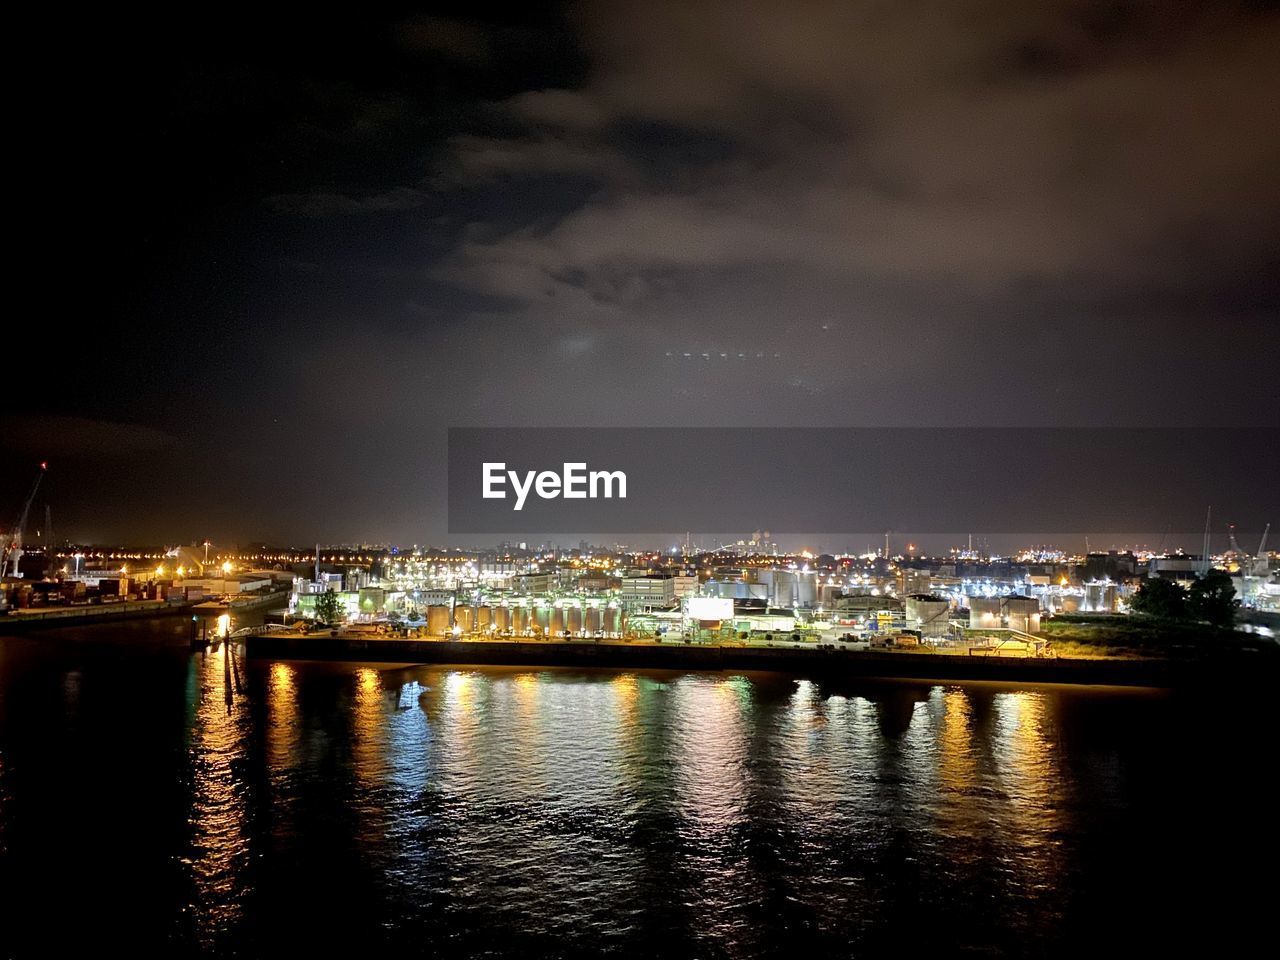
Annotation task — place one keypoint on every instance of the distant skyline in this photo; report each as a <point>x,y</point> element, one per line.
<point>934,545</point>
<point>285,254</point>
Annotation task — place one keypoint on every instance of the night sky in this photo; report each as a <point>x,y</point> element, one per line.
<point>269,258</point>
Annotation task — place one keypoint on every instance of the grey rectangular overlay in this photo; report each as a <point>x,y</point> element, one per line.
<point>940,480</point>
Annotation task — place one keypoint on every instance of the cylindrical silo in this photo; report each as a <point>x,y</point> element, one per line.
<point>519,620</point>
<point>612,621</point>
<point>556,624</point>
<point>573,620</point>
<point>594,622</point>
<point>1100,597</point>
<point>984,613</point>
<point>484,617</point>
<point>464,617</point>
<point>806,590</point>
<point>1022,613</point>
<point>502,619</point>
<point>784,588</point>
<point>929,614</point>
<point>437,620</point>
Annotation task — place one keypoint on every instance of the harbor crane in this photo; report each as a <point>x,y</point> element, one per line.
<point>1253,568</point>
<point>13,542</point>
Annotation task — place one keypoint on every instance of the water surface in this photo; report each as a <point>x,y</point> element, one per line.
<point>197,803</point>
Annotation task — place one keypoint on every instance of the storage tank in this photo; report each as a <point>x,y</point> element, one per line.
<point>805,590</point>
<point>1100,597</point>
<point>484,617</point>
<point>502,619</point>
<point>556,623</point>
<point>784,588</point>
<point>573,621</point>
<point>611,620</point>
<point>437,620</point>
<point>593,621</point>
<point>984,613</point>
<point>1022,613</point>
<point>540,617</point>
<point>766,581</point>
<point>464,617</point>
<point>519,620</point>
<point>929,614</point>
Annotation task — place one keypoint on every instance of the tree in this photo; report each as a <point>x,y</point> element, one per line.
<point>1160,598</point>
<point>1213,599</point>
<point>329,608</point>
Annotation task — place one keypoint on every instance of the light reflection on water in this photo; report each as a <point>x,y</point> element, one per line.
<point>536,794</point>
<point>467,811</point>
<point>220,838</point>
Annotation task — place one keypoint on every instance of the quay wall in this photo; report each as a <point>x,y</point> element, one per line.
<point>89,614</point>
<point>813,662</point>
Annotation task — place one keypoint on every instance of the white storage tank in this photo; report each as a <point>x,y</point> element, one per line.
<point>985,613</point>
<point>805,590</point>
<point>540,617</point>
<point>1022,613</point>
<point>612,620</point>
<point>1100,597</point>
<point>929,614</point>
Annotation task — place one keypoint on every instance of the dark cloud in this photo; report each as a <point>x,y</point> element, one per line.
<point>457,40</point>
<point>914,143</point>
<point>336,204</point>
<point>52,437</point>
<point>322,241</point>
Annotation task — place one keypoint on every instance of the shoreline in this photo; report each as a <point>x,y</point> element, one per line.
<point>817,663</point>
<point>91,614</point>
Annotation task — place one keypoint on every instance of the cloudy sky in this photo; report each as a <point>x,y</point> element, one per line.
<point>282,254</point>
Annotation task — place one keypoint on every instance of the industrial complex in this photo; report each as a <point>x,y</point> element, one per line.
<point>725,596</point>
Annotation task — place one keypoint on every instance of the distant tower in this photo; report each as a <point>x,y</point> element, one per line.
<point>50,551</point>
<point>1204,547</point>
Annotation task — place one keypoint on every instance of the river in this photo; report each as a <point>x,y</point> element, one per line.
<point>155,798</point>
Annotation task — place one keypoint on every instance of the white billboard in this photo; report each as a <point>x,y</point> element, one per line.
<point>709,608</point>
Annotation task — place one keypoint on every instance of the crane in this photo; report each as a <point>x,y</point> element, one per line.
<point>1252,568</point>
<point>13,544</point>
